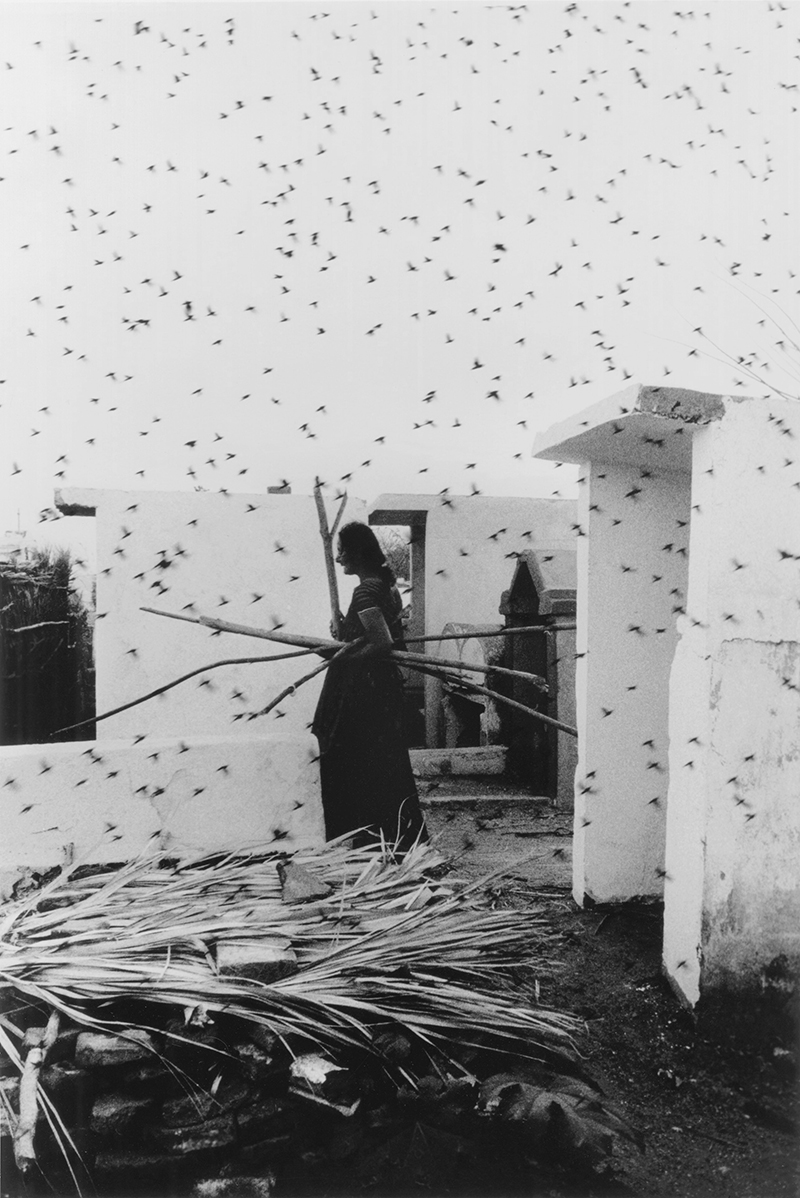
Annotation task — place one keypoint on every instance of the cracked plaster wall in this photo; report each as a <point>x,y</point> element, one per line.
<point>732,903</point>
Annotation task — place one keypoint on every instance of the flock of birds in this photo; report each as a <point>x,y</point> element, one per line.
<point>381,246</point>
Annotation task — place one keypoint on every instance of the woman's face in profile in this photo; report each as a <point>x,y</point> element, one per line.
<point>345,560</point>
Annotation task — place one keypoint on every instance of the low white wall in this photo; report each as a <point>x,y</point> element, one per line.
<point>732,902</point>
<point>106,801</point>
<point>170,550</point>
<point>628,585</point>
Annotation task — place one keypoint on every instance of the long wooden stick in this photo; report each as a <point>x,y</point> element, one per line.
<point>283,638</point>
<point>317,643</point>
<point>289,690</point>
<point>408,659</point>
<point>443,676</point>
<point>327,546</point>
<point>24,1152</point>
<point>228,661</point>
<point>466,636</point>
<point>338,516</point>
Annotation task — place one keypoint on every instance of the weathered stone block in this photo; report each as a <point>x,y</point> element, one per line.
<point>235,1187</point>
<point>116,1114</point>
<point>194,1108</point>
<point>64,1047</point>
<point>213,1133</point>
<point>96,1050</point>
<point>298,885</point>
<point>263,960</point>
<point>117,1166</point>
<point>256,1064</point>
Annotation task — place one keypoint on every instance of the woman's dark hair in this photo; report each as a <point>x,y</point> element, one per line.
<point>360,541</point>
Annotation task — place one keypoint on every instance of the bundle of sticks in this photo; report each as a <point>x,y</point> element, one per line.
<point>452,671</point>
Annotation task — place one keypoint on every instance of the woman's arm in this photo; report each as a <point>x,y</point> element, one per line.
<point>376,629</point>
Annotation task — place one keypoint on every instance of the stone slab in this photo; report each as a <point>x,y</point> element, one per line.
<point>483,759</point>
<point>219,1132</point>
<point>96,1050</point>
<point>116,1114</point>
<point>191,1109</point>
<point>256,959</point>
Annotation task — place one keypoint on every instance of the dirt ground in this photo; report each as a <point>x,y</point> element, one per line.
<point>717,1120</point>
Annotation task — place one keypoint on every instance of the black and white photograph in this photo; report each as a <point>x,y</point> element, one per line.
<point>399,599</point>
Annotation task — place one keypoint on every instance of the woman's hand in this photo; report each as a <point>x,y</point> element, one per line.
<point>335,627</point>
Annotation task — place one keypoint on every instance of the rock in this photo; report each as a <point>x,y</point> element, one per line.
<point>298,885</point>
<point>262,960</point>
<point>256,1063</point>
<point>64,1047</point>
<point>194,1108</point>
<point>113,1114</point>
<point>199,1052</point>
<point>119,1167</point>
<point>393,1045</point>
<point>219,1132</point>
<point>96,1050</point>
<point>235,1187</point>
<point>264,1038</point>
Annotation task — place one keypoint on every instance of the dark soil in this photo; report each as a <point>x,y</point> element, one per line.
<point>718,1119</point>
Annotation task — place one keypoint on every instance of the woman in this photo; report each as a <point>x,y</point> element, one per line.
<point>367,784</point>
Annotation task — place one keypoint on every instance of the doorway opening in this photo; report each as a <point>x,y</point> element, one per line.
<point>404,547</point>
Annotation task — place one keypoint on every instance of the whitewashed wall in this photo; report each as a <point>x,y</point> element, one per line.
<point>468,588</point>
<point>101,801</point>
<point>629,584</point>
<point>733,837</point>
<point>181,768</point>
<point>730,478</point>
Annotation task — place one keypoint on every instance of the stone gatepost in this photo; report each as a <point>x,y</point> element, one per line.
<point>688,676</point>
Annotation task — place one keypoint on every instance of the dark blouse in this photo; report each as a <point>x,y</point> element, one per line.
<point>373,592</point>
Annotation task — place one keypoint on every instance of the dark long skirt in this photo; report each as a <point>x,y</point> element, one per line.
<point>368,787</point>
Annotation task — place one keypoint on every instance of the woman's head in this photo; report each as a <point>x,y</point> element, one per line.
<point>360,550</point>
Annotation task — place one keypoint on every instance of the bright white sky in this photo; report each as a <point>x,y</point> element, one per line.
<point>409,236</point>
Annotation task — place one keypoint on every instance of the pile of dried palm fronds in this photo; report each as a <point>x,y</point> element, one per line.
<point>387,942</point>
<point>384,941</point>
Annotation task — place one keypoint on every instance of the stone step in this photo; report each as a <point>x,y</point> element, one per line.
<point>493,805</point>
<point>478,760</point>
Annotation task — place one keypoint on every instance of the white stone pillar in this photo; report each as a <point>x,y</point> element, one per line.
<point>732,898</point>
<point>632,570</point>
